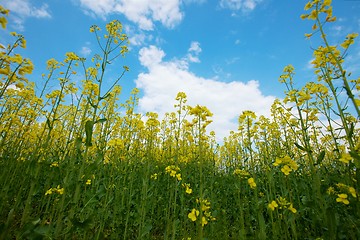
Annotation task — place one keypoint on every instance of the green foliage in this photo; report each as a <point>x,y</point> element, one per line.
<point>80,165</point>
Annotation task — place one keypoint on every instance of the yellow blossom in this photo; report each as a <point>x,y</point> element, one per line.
<point>188,190</point>
<point>330,190</point>
<point>343,198</point>
<point>193,214</point>
<point>178,176</point>
<point>154,176</point>
<point>3,22</point>
<point>277,162</point>
<point>292,209</point>
<point>48,192</point>
<point>88,182</point>
<point>273,205</point>
<point>59,190</point>
<point>252,183</point>
<point>345,158</point>
<point>352,191</point>
<point>54,164</point>
<point>286,170</point>
<point>203,221</point>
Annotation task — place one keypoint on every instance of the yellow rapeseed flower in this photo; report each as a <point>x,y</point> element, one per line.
<point>292,209</point>
<point>187,186</point>
<point>273,205</point>
<point>203,221</point>
<point>286,170</point>
<point>154,176</point>
<point>252,183</point>
<point>59,190</point>
<point>178,176</point>
<point>54,164</point>
<point>330,190</point>
<point>88,182</point>
<point>277,162</point>
<point>343,198</point>
<point>193,214</point>
<point>3,22</point>
<point>49,191</point>
<point>352,191</point>
<point>345,158</point>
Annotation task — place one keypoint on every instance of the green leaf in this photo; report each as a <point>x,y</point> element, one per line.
<point>78,142</point>
<point>91,103</point>
<point>48,123</point>
<point>89,130</point>
<point>351,130</point>
<point>356,158</point>
<point>320,158</point>
<point>101,120</point>
<point>300,147</point>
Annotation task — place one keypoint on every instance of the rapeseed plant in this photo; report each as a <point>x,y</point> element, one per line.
<point>168,178</point>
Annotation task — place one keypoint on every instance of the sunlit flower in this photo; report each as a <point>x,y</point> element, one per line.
<point>286,170</point>
<point>273,205</point>
<point>292,209</point>
<point>193,214</point>
<point>252,183</point>
<point>345,158</point>
<point>154,176</point>
<point>343,198</point>
<point>48,192</point>
<point>203,221</point>
<point>330,190</point>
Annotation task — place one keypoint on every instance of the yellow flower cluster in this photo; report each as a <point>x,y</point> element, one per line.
<point>244,174</point>
<point>187,187</point>
<point>349,40</point>
<point>71,56</point>
<point>173,170</point>
<point>90,87</point>
<point>281,203</point>
<point>154,176</point>
<point>252,183</point>
<point>342,198</point>
<point>342,192</point>
<point>205,210</point>
<point>317,7</point>
<point>241,172</point>
<point>58,190</point>
<point>345,158</point>
<point>288,165</point>
<point>3,20</point>
<point>325,56</point>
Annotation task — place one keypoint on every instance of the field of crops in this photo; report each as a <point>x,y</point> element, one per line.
<point>75,163</point>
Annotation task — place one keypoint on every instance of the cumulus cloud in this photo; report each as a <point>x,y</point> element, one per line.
<point>244,5</point>
<point>193,52</point>
<point>226,100</point>
<point>141,12</point>
<point>85,50</point>
<point>22,9</point>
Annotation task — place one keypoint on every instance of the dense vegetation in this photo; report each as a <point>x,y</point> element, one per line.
<point>77,164</point>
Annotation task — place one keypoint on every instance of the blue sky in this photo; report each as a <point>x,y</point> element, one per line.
<point>225,54</point>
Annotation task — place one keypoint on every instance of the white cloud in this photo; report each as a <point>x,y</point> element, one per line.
<point>193,52</point>
<point>244,5</point>
<point>165,79</point>
<point>151,56</point>
<point>137,37</point>
<point>24,9</point>
<point>141,12</point>
<point>85,51</point>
